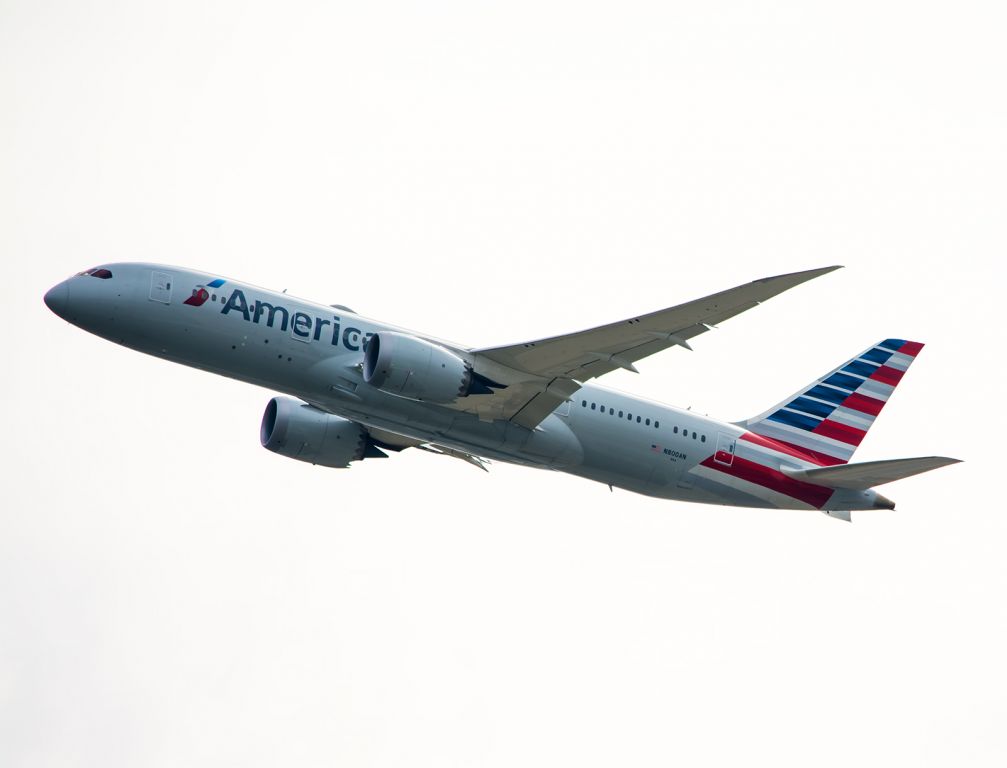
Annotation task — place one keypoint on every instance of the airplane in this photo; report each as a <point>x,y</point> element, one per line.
<point>357,389</point>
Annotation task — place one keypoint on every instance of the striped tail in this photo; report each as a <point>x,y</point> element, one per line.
<point>827,420</point>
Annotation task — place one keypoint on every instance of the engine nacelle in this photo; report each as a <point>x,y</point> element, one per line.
<point>299,431</point>
<point>413,368</point>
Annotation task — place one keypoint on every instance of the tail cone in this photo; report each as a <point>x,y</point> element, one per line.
<point>883,502</point>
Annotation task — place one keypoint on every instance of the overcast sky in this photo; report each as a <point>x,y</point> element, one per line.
<point>172,594</point>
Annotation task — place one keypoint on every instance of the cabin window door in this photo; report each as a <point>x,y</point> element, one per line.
<point>725,449</point>
<point>160,287</point>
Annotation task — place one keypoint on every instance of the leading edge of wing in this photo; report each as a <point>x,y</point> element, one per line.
<point>593,352</point>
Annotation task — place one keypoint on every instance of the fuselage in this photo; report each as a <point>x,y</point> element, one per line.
<point>314,352</point>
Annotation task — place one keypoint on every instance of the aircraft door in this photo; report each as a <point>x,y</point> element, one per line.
<point>725,449</point>
<point>160,287</point>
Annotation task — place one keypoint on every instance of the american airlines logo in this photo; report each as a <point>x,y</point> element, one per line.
<point>200,293</point>
<point>302,326</point>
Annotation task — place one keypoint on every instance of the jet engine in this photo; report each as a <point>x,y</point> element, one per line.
<point>300,431</point>
<point>416,369</point>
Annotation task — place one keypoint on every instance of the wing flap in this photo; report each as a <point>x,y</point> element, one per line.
<point>867,474</point>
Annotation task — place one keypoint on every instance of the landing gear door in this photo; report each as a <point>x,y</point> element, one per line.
<point>160,287</point>
<point>725,449</point>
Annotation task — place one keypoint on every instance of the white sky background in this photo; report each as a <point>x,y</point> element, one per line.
<point>172,594</point>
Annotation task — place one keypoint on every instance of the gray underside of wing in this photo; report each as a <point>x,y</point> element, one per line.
<point>556,366</point>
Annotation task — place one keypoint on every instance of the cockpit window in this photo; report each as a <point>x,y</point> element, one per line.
<point>101,274</point>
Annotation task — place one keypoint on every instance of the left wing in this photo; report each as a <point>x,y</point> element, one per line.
<point>542,374</point>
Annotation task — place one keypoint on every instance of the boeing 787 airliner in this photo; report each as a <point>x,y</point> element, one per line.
<point>357,388</point>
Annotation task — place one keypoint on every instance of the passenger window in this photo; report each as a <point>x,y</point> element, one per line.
<point>611,411</point>
<point>657,425</point>
<point>592,406</point>
<point>637,419</point>
<point>584,403</point>
<point>675,430</point>
<point>702,438</point>
<point>629,416</point>
<point>648,422</point>
<point>693,435</point>
<point>620,414</point>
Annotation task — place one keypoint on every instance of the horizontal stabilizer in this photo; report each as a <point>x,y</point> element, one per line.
<point>867,474</point>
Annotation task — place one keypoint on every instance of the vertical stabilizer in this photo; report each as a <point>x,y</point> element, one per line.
<point>829,418</point>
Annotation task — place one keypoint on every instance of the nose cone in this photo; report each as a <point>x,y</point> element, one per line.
<point>58,298</point>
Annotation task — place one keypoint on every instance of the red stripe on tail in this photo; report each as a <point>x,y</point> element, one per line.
<point>863,403</point>
<point>840,432</point>
<point>887,375</point>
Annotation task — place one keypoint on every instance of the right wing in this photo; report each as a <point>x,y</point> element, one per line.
<point>554,368</point>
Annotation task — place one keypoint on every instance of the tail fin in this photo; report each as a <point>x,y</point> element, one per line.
<point>828,419</point>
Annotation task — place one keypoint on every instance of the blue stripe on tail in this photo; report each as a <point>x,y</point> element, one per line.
<point>795,419</point>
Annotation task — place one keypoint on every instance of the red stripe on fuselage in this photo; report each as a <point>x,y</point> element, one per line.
<point>763,476</point>
<point>791,449</point>
<point>863,403</point>
<point>841,432</point>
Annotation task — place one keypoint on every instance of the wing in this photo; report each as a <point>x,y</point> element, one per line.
<point>550,370</point>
